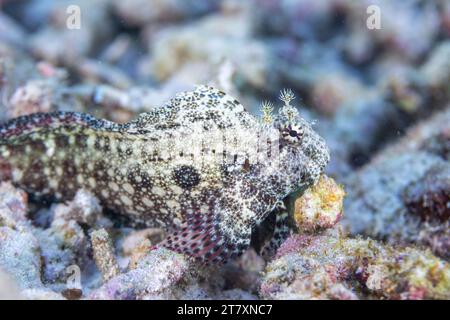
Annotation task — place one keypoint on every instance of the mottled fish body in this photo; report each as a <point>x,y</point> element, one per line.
<point>200,166</point>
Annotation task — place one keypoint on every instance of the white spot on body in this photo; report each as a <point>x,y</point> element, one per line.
<point>147,202</point>
<point>80,179</point>
<point>158,191</point>
<point>126,201</point>
<point>90,141</point>
<point>51,147</point>
<point>92,182</point>
<point>105,193</point>
<point>53,183</point>
<point>128,188</point>
<point>17,175</point>
<point>176,190</point>
<point>204,209</point>
<point>113,186</point>
<point>173,205</point>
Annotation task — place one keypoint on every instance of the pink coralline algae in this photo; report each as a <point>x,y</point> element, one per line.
<point>332,266</point>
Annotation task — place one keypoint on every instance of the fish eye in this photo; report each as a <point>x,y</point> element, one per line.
<point>292,133</point>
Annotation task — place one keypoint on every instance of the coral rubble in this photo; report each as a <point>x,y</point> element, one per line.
<point>334,267</point>
<point>403,195</point>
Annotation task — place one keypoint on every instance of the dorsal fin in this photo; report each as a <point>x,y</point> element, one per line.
<point>37,121</point>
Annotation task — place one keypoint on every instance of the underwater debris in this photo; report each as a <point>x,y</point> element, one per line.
<point>103,253</point>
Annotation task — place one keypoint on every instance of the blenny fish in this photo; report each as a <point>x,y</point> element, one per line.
<point>200,166</point>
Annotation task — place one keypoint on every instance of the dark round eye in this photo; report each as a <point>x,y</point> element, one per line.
<point>293,133</point>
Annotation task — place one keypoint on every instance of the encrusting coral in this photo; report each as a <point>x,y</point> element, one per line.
<point>320,207</point>
<point>332,266</point>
